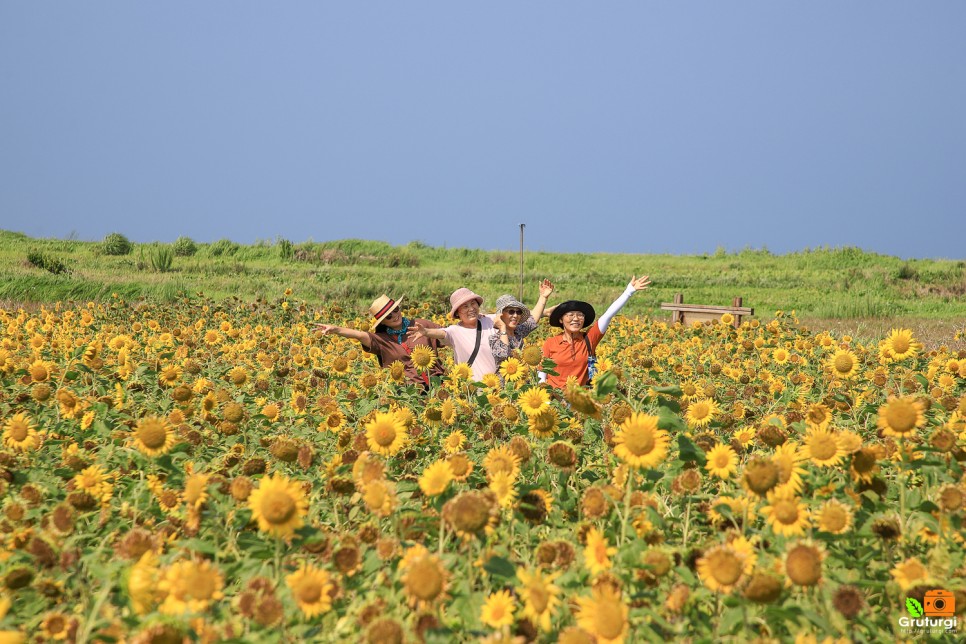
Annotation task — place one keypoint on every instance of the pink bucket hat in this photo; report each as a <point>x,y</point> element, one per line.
<point>460,297</point>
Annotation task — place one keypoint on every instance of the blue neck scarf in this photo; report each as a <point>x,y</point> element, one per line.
<point>400,332</point>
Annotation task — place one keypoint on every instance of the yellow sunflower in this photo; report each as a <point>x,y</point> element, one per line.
<point>540,596</point>
<point>823,447</point>
<point>603,615</point>
<point>153,436</point>
<point>498,609</point>
<point>722,461</point>
<point>721,568</point>
<point>501,459</point>
<point>513,370</point>
<point>278,504</point>
<point>311,587</point>
<point>803,563</point>
<point>503,485</point>
<point>597,552</point>
<point>435,478</point>
<point>189,587</point>
<point>818,415</point>
<point>901,344</point>
<point>19,433</point>
<point>454,442</point>
<point>544,424</point>
<point>786,514</point>
<point>424,576</point>
<point>639,442</point>
<point>385,434</point>
<point>534,400</point>
<point>843,364</point>
<point>900,417</point>
<point>422,357</point>
<point>834,517</point>
<point>701,412</point>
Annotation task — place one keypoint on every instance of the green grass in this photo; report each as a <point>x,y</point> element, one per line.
<point>823,284</point>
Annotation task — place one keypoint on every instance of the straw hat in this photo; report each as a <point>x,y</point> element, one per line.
<point>382,307</point>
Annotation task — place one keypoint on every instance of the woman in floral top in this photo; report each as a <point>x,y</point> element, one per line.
<point>513,322</point>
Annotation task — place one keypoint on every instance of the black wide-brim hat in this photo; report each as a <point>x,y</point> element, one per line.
<point>573,305</point>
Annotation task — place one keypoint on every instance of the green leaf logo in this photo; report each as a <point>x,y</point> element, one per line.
<point>914,607</point>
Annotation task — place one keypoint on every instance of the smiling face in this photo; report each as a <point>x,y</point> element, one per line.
<point>468,313</point>
<point>572,321</point>
<point>394,319</point>
<point>512,316</point>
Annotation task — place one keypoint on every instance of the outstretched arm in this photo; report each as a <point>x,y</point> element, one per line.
<point>417,331</point>
<point>546,290</point>
<point>354,334</point>
<point>636,284</point>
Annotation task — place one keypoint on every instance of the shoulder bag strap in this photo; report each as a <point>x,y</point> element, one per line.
<point>476,349</point>
<point>590,351</point>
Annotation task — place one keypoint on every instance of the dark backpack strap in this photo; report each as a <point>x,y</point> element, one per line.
<point>476,349</point>
<point>590,351</point>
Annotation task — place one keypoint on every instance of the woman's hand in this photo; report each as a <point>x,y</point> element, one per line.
<point>546,288</point>
<point>499,324</point>
<point>326,329</point>
<point>640,283</point>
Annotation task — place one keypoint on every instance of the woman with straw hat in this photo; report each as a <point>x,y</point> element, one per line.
<point>574,350</point>
<point>392,337</point>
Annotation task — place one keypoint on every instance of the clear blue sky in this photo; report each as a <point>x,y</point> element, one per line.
<point>625,126</point>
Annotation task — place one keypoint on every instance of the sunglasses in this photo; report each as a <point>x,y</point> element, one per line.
<point>513,311</point>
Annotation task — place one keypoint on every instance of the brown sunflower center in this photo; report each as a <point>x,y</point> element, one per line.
<point>824,448</point>
<point>804,566</point>
<point>384,434</point>
<point>843,363</point>
<point>639,442</point>
<point>425,580</point>
<point>277,506</point>
<point>786,511</point>
<point>609,619</point>
<point>901,416</point>
<point>309,592</point>
<point>152,434</point>
<point>725,567</point>
<point>19,431</point>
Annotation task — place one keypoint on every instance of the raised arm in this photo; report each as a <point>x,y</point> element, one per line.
<point>354,334</point>
<point>546,290</point>
<point>499,341</point>
<point>636,284</point>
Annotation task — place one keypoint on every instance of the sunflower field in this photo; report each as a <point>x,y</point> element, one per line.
<point>219,471</point>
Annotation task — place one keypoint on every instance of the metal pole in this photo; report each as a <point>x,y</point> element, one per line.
<point>522,226</point>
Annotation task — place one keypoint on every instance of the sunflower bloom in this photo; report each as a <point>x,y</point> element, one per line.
<point>603,615</point>
<point>189,587</point>
<point>823,447</point>
<point>900,417</point>
<point>721,568</point>
<point>597,552</point>
<point>639,442</point>
<point>435,478</point>
<point>498,609</point>
<point>534,400</point>
<point>786,515</point>
<point>311,587</point>
<point>19,433</point>
<point>701,412</point>
<point>722,461</point>
<point>385,434</point>
<point>278,504</point>
<point>540,596</point>
<point>153,436</point>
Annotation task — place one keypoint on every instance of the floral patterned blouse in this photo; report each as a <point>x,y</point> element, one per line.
<point>501,350</point>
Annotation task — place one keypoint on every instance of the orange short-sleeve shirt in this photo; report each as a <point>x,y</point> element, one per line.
<point>571,357</point>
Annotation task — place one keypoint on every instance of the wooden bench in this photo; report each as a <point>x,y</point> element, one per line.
<point>687,313</point>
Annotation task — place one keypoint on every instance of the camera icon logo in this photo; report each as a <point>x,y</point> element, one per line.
<point>939,603</point>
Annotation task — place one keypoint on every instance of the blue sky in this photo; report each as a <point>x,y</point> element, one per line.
<point>643,127</point>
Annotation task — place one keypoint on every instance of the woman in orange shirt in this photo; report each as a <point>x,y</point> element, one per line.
<point>574,350</point>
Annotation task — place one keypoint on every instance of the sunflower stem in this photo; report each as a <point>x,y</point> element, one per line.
<point>627,505</point>
<point>687,520</point>
<point>442,534</point>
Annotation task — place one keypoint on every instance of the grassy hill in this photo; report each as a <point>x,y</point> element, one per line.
<point>842,287</point>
